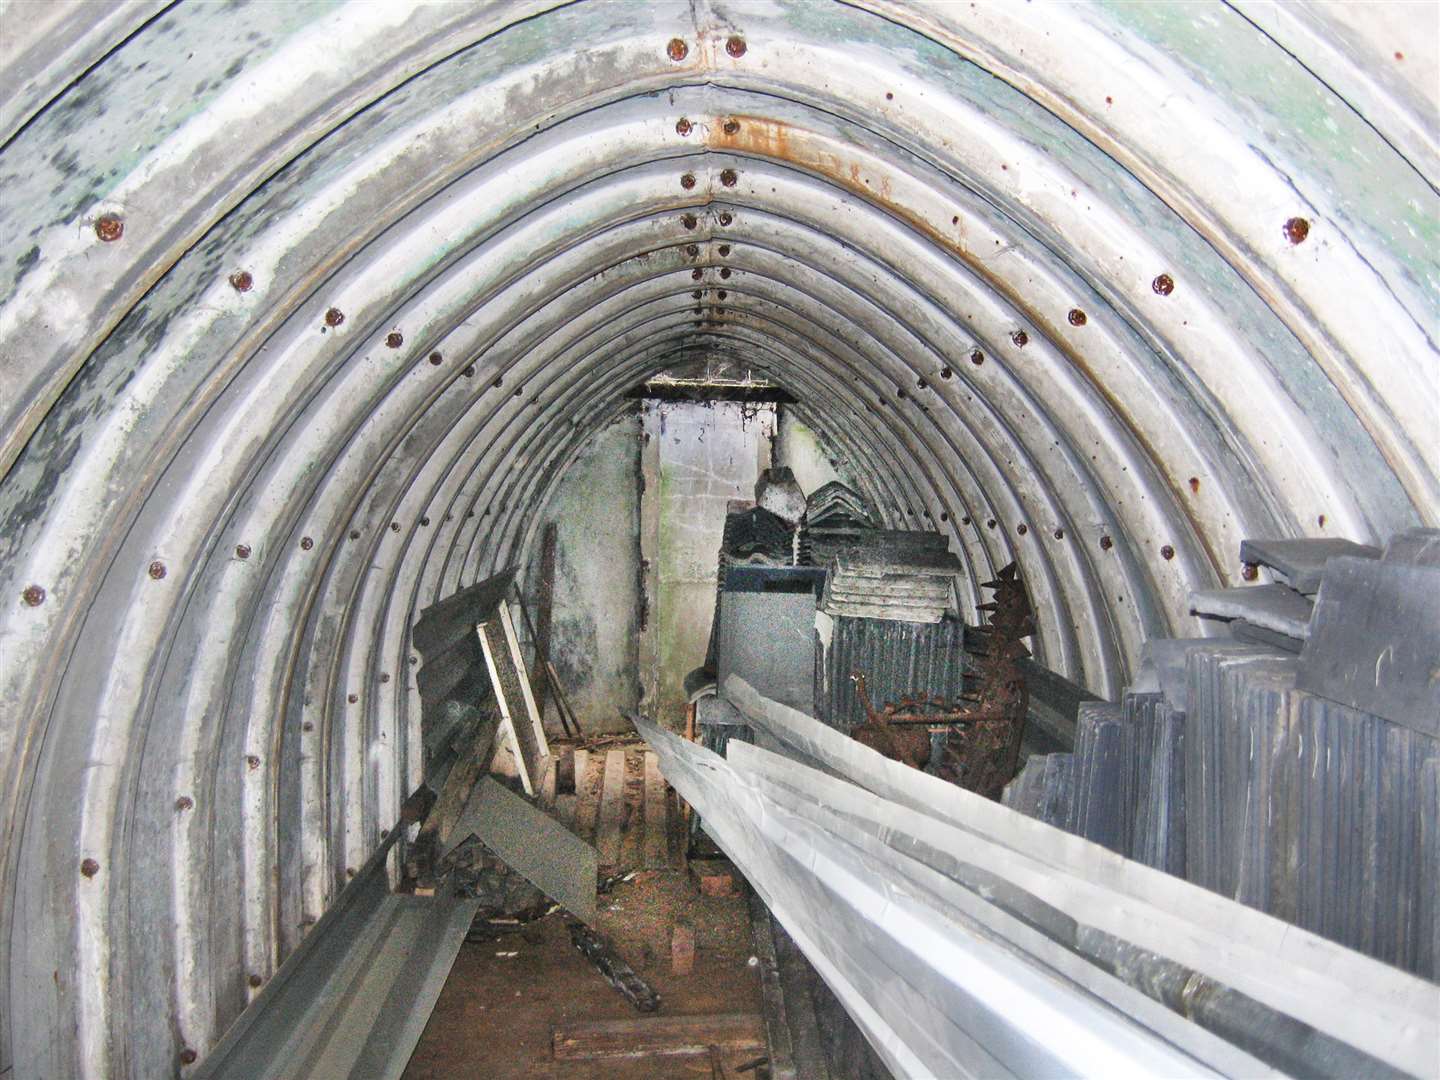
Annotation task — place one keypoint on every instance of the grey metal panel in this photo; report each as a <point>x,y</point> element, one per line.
<point>768,639</point>
<point>896,658</point>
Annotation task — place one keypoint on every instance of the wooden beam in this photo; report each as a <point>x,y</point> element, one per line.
<point>612,809</point>
<point>659,1035</point>
<point>657,819</point>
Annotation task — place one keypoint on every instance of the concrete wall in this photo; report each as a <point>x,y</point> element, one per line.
<point>594,638</point>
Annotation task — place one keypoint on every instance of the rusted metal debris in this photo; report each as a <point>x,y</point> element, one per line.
<point>598,950</point>
<point>983,727</point>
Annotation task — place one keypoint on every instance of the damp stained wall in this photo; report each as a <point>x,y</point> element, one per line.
<point>595,625</point>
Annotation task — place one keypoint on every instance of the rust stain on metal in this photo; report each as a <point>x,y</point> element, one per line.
<point>1077,317</point>
<point>689,221</point>
<point>1296,230</point>
<point>109,228</point>
<point>1167,552</point>
<point>1250,571</point>
<point>157,570</point>
<point>242,281</point>
<point>1106,543</point>
<point>33,596</point>
<point>1163,284</point>
<point>334,317</point>
<point>735,46</point>
<point>242,551</point>
<point>677,50</point>
<point>682,126</point>
<point>89,867</point>
<point>1020,338</point>
<point>976,357</point>
<point>184,802</point>
<point>394,339</point>
<point>732,127</point>
<point>687,181</point>
<point>728,177</point>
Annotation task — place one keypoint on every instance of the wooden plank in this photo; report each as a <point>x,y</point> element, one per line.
<point>612,809</point>
<point>587,791</point>
<point>658,1035</point>
<point>657,818</point>
<point>463,774</point>
<point>547,782</point>
<point>543,613</point>
<point>772,998</point>
<point>565,806</point>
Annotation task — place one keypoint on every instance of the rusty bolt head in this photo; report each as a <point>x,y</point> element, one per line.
<point>725,272</point>
<point>307,726</point>
<point>1020,338</point>
<point>424,522</point>
<point>255,980</point>
<point>157,569</point>
<point>1163,284</point>
<point>414,660</point>
<point>252,761</point>
<point>728,177</point>
<point>1296,230</point>
<point>1106,543</point>
<point>682,126</point>
<point>735,46</point>
<point>965,521</point>
<point>1167,552</point>
<point>436,358</point>
<point>687,181</point>
<point>349,871</point>
<point>306,543</point>
<point>242,551</point>
<point>1059,534</point>
<point>977,357</point>
<point>188,1056</point>
<point>693,250</point>
<point>352,698</point>
<point>394,526</point>
<point>384,676</point>
<point>695,295</point>
<point>354,534</point>
<point>469,371</point>
<point>1076,317</point>
<point>722,294</point>
<point>519,390</point>
<point>33,596</point>
<point>695,275</point>
<point>89,867</point>
<point>394,339</point>
<point>334,317</point>
<point>732,127</point>
<point>677,50</point>
<point>109,228</point>
<point>726,217</point>
<point>184,802</point>
<point>724,251</point>
<point>1250,571</point>
<point>241,281</point>
<point>1022,528</point>
<point>689,221</point>
<point>697,309</point>
<point>945,373</point>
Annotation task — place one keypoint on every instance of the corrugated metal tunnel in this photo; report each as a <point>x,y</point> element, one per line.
<point>307,308</point>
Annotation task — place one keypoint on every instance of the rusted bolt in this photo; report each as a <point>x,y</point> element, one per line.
<point>469,371</point>
<point>695,295</point>
<point>687,181</point>
<point>726,217</point>
<point>735,46</point>
<point>725,272</point>
<point>1194,485</point>
<point>945,372</point>
<point>307,726</point>
<point>241,281</point>
<point>354,534</point>
<point>977,357</point>
<point>945,515</point>
<point>255,980</point>
<point>728,177</point>
<point>693,250</point>
<point>352,698</point>
<point>990,524</point>
<point>188,1056</point>
<point>184,802</point>
<point>306,543</point>
<point>965,521</point>
<point>349,871</point>
<point>157,569</point>
<point>682,126</point>
<point>677,50</point>
<point>519,390</point>
<point>252,761</point>
<point>1249,571</point>
<point>722,294</point>
<point>1076,317</point>
<point>1163,284</point>
<point>436,358</point>
<point>394,526</point>
<point>732,127</point>
<point>33,596</point>
<point>334,317</point>
<point>1296,230</point>
<point>1106,543</point>
<point>1020,338</point>
<point>414,660</point>
<point>1059,534</point>
<point>695,275</point>
<point>384,833</point>
<point>424,522</point>
<point>1022,528</point>
<point>242,551</point>
<point>394,339</point>
<point>1320,521</point>
<point>109,228</point>
<point>384,676</point>
<point>1167,552</point>
<point>696,310</point>
<point>724,251</point>
<point>689,221</point>
<point>89,867</point>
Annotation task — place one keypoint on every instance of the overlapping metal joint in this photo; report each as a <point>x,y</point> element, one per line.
<point>307,307</point>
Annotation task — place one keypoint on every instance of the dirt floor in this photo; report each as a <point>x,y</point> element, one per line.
<point>495,1016</point>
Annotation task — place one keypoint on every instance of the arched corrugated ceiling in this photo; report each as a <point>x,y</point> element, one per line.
<point>307,306</point>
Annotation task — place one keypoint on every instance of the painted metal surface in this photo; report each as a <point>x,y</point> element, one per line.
<point>273,276</point>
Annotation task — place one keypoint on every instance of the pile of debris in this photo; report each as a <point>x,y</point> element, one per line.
<point>835,516</point>
<point>905,576</point>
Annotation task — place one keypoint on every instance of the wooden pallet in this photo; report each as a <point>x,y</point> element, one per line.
<point>622,805</point>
